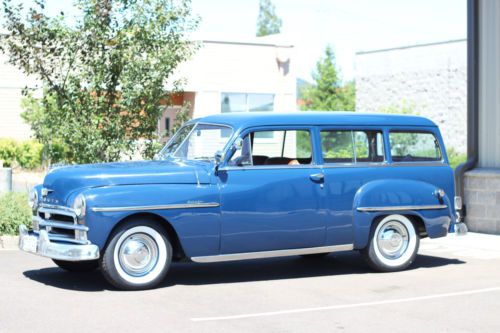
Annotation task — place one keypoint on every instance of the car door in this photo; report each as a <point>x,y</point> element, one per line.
<point>351,157</point>
<point>271,193</point>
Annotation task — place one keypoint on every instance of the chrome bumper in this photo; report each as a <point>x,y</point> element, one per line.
<point>41,245</point>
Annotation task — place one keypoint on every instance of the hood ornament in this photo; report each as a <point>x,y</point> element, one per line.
<point>46,191</point>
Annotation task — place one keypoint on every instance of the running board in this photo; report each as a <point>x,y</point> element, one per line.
<point>272,254</point>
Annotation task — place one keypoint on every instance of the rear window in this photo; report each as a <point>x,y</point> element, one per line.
<point>407,146</point>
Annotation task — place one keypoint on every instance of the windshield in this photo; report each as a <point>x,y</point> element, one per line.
<point>197,142</point>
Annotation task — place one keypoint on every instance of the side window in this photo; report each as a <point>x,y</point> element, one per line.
<point>407,146</point>
<point>344,146</point>
<point>281,147</point>
<point>337,146</point>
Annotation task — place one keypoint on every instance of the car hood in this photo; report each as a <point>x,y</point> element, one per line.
<point>63,181</point>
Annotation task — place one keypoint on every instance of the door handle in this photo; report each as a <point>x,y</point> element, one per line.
<point>317,177</point>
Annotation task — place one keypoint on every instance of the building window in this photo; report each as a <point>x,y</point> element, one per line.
<point>242,102</point>
<point>167,124</point>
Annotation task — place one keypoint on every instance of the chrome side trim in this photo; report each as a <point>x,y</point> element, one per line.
<point>155,207</point>
<point>272,254</point>
<point>399,208</point>
<point>270,167</point>
<point>335,166</point>
<point>419,163</point>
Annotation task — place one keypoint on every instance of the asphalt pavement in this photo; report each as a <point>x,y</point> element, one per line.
<point>454,285</point>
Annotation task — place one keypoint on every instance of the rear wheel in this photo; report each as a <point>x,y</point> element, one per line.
<point>393,244</point>
<point>77,266</point>
<point>138,256</point>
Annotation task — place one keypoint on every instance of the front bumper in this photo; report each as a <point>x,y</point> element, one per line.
<point>41,245</point>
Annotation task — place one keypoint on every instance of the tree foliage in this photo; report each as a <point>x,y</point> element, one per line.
<point>268,22</point>
<point>328,93</point>
<point>104,78</point>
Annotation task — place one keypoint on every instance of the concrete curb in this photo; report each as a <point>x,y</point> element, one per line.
<point>9,242</point>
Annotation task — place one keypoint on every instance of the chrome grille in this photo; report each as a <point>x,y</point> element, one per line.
<point>61,224</point>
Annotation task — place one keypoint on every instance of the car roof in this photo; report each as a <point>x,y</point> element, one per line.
<point>251,119</point>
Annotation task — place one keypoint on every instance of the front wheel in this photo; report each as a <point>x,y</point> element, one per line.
<point>137,257</point>
<point>393,244</point>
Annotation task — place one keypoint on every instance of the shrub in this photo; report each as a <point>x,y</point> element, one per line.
<point>8,151</point>
<point>29,154</point>
<point>455,158</point>
<point>14,211</point>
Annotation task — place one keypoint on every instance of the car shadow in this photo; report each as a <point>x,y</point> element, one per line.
<point>345,263</point>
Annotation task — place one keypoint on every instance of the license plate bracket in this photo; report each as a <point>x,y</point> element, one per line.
<point>30,244</point>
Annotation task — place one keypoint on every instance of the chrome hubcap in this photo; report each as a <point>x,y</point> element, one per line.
<point>138,254</point>
<point>392,240</point>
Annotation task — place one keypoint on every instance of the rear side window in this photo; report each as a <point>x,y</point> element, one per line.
<point>407,146</point>
<point>344,146</point>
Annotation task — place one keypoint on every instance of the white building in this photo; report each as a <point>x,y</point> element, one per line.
<point>12,82</point>
<point>237,76</point>
<point>223,76</point>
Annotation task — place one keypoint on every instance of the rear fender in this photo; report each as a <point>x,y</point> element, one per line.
<point>415,198</point>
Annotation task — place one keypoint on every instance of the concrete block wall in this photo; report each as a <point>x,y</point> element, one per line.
<point>432,79</point>
<point>482,200</point>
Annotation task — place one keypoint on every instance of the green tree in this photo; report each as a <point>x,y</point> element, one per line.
<point>328,93</point>
<point>103,77</point>
<point>268,22</point>
<point>181,116</point>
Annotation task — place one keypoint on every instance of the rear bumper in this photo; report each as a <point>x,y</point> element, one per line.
<point>41,245</point>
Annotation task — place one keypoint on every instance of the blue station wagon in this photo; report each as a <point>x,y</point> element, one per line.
<point>247,186</point>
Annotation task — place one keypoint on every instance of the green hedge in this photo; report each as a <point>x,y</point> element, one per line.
<point>27,154</point>
<point>8,151</point>
<point>14,211</point>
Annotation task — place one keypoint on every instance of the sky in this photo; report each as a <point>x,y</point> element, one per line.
<point>349,26</point>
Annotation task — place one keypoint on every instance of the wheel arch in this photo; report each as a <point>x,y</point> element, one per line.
<point>178,251</point>
<point>399,192</point>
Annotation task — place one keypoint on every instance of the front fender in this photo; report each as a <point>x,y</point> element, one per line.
<point>415,198</point>
<point>198,229</point>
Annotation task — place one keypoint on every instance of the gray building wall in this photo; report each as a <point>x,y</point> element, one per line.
<point>489,84</point>
<point>482,185</point>
<point>430,78</point>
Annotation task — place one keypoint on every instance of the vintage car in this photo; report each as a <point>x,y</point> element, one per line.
<point>251,185</point>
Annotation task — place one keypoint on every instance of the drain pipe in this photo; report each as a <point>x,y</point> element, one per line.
<point>472,98</point>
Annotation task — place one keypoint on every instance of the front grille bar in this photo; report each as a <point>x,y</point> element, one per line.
<point>77,233</point>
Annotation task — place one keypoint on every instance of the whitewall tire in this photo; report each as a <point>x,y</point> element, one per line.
<point>138,256</point>
<point>393,244</point>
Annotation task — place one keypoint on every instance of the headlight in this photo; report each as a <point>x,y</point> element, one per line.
<point>79,205</point>
<point>33,199</point>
